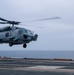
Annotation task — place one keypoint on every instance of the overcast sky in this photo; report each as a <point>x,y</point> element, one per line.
<point>56,34</point>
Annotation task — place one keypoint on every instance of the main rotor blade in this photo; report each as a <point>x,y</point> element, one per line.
<point>52,18</point>
<point>9,22</point>
<point>31,26</point>
<point>3,23</point>
<point>3,19</point>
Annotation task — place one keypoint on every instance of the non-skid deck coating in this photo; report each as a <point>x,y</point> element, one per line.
<point>35,67</point>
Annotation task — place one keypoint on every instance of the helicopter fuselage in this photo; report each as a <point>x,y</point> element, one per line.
<point>17,36</point>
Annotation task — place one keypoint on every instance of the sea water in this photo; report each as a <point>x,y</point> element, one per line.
<point>38,54</point>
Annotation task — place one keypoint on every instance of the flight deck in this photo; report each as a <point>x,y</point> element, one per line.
<point>30,66</point>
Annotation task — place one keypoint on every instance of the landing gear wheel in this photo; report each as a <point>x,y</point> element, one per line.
<point>10,44</point>
<point>24,45</point>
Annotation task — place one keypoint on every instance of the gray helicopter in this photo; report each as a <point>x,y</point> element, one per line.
<point>17,35</point>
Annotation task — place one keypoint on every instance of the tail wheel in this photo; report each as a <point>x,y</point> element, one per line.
<point>24,45</point>
<point>10,44</point>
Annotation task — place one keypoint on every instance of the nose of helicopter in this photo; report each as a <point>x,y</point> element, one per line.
<point>34,38</point>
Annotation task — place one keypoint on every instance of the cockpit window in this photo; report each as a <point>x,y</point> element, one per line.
<point>17,28</point>
<point>26,31</point>
<point>20,31</point>
<point>7,34</point>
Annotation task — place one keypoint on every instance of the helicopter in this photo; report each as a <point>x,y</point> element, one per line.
<point>13,35</point>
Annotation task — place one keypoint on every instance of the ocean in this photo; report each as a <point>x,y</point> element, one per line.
<point>38,54</point>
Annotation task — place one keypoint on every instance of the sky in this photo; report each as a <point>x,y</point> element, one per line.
<point>55,34</point>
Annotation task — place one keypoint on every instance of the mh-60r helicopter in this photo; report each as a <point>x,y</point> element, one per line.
<point>17,35</point>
